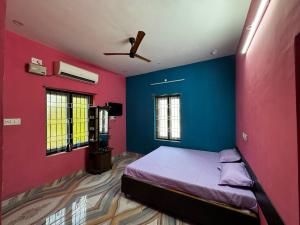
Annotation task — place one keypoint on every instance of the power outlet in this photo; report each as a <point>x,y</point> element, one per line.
<point>245,136</point>
<point>12,122</point>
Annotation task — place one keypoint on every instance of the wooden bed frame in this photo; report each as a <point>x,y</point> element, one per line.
<point>196,210</point>
<point>184,206</point>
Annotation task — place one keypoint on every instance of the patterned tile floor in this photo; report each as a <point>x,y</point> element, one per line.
<point>82,199</point>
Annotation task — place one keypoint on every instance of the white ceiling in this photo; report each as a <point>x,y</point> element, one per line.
<point>178,32</point>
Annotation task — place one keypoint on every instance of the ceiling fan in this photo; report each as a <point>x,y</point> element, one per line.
<point>135,43</point>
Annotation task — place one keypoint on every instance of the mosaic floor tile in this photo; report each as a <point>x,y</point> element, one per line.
<point>82,199</point>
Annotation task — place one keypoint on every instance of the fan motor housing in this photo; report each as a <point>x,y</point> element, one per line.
<point>135,43</point>
<point>131,54</point>
<point>132,40</point>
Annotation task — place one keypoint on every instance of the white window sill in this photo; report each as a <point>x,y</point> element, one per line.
<point>61,153</point>
<point>164,140</point>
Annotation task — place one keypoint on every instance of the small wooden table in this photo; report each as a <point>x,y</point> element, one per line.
<point>99,161</point>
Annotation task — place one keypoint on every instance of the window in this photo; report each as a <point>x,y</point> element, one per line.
<point>168,117</point>
<point>67,120</point>
<point>80,119</point>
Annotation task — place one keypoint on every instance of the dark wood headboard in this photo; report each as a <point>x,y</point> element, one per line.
<point>263,200</point>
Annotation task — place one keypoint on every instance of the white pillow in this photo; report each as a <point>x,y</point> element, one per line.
<point>236,175</point>
<point>229,155</point>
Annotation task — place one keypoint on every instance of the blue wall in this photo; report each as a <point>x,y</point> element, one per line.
<point>207,106</point>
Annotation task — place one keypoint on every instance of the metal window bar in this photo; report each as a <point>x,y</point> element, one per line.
<point>69,123</point>
<point>168,117</point>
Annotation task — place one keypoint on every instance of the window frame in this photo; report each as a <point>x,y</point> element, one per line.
<point>168,96</point>
<point>69,114</point>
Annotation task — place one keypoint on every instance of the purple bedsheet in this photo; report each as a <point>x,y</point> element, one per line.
<point>190,171</point>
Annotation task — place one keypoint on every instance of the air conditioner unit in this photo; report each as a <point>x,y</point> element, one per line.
<point>67,70</point>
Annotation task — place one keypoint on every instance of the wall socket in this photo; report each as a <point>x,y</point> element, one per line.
<point>245,136</point>
<point>12,122</point>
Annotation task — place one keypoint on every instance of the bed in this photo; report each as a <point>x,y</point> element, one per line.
<point>184,183</point>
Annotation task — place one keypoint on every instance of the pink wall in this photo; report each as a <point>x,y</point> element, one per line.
<point>297,61</point>
<point>25,164</point>
<point>266,107</point>
<point>2,37</point>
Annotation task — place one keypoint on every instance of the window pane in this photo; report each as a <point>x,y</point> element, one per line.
<point>56,121</point>
<point>174,117</point>
<point>80,119</point>
<point>162,117</point>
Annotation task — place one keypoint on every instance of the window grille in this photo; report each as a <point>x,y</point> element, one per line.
<point>67,120</point>
<point>167,110</point>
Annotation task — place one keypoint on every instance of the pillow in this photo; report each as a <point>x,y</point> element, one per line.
<point>229,155</point>
<point>236,175</point>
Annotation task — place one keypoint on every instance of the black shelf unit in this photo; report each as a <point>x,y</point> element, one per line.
<point>93,128</point>
<point>99,156</point>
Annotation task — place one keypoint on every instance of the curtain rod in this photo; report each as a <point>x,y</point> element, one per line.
<point>166,82</point>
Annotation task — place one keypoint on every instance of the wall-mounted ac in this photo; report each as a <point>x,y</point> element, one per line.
<point>67,70</point>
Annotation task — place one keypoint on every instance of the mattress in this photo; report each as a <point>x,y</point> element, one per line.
<point>191,171</point>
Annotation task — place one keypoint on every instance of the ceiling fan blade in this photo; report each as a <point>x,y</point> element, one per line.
<point>137,42</point>
<point>116,53</point>
<point>142,58</point>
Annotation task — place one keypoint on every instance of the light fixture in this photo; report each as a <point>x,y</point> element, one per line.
<point>214,52</point>
<point>18,23</point>
<point>263,5</point>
